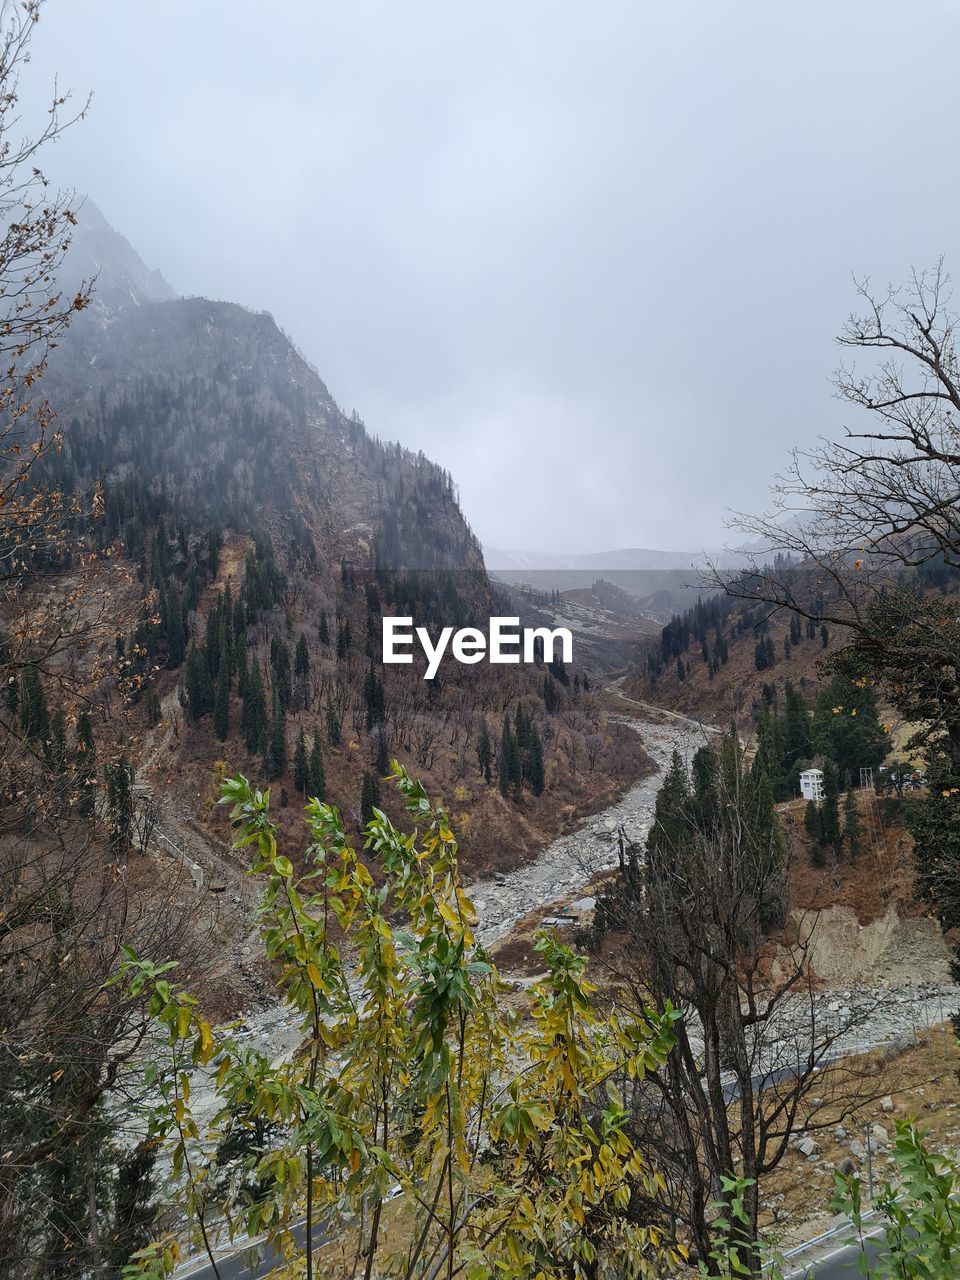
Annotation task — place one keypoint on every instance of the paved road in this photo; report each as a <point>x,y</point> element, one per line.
<point>842,1264</point>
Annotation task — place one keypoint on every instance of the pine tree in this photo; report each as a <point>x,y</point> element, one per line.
<point>811,821</point>
<point>373,699</point>
<point>199,683</point>
<point>318,781</point>
<point>323,629</point>
<point>153,707</point>
<point>34,716</point>
<point>485,750</point>
<point>383,754</point>
<point>334,725</point>
<point>301,769</point>
<point>846,726</point>
<point>86,767</point>
<point>280,664</point>
<point>370,797</point>
<point>830,809</point>
<point>552,698</point>
<point>119,779</point>
<point>278,738</point>
<point>301,661</point>
<point>796,731</point>
<point>253,720</point>
<point>507,756</point>
<point>535,769</point>
<point>343,640</point>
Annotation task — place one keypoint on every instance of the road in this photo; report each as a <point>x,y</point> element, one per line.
<point>841,1264</point>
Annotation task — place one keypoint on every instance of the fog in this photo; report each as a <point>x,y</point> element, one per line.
<point>589,257</point>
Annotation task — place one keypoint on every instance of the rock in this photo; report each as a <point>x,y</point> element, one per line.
<point>858,1150</point>
<point>879,1135</point>
<point>839,1133</point>
<point>847,1166</point>
<point>807,1147</point>
<point>886,1104</point>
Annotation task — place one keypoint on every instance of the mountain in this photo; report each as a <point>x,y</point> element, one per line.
<point>249,537</point>
<point>123,280</point>
<point>500,559</point>
<point>213,403</point>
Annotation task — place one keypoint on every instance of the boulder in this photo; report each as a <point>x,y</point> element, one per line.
<point>886,1104</point>
<point>879,1135</point>
<point>807,1147</point>
<point>858,1150</point>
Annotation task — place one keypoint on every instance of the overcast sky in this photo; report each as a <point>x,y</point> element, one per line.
<point>589,256</point>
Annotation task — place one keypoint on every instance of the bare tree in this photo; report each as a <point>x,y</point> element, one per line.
<point>689,928</point>
<point>858,524</point>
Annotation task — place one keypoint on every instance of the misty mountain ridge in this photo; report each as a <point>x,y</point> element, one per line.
<point>212,403</point>
<point>123,279</point>
<point>513,560</point>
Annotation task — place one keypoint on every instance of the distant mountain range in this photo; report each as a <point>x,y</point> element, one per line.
<point>512,560</point>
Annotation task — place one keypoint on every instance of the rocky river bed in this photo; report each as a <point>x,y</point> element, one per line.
<point>858,1016</point>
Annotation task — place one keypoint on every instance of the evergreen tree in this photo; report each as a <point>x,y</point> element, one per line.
<point>343,639</point>
<point>811,822</point>
<point>373,699</point>
<point>253,721</point>
<point>334,725</point>
<point>301,769</point>
<point>278,738</point>
<point>199,683</point>
<point>280,665</point>
<point>934,822</point>
<point>485,752</point>
<point>86,768</point>
<point>383,754</point>
<point>796,731</point>
<point>830,809</point>
<point>509,762</point>
<point>846,726</point>
<point>301,661</point>
<point>318,781</point>
<point>370,797</point>
<point>34,716</point>
<point>535,769</point>
<point>119,779</point>
<point>323,629</point>
<point>671,817</point>
<point>552,698</point>
<point>153,707</point>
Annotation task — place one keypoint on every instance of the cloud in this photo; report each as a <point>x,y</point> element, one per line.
<point>589,257</point>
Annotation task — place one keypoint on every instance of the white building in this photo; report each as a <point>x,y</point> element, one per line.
<point>811,785</point>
